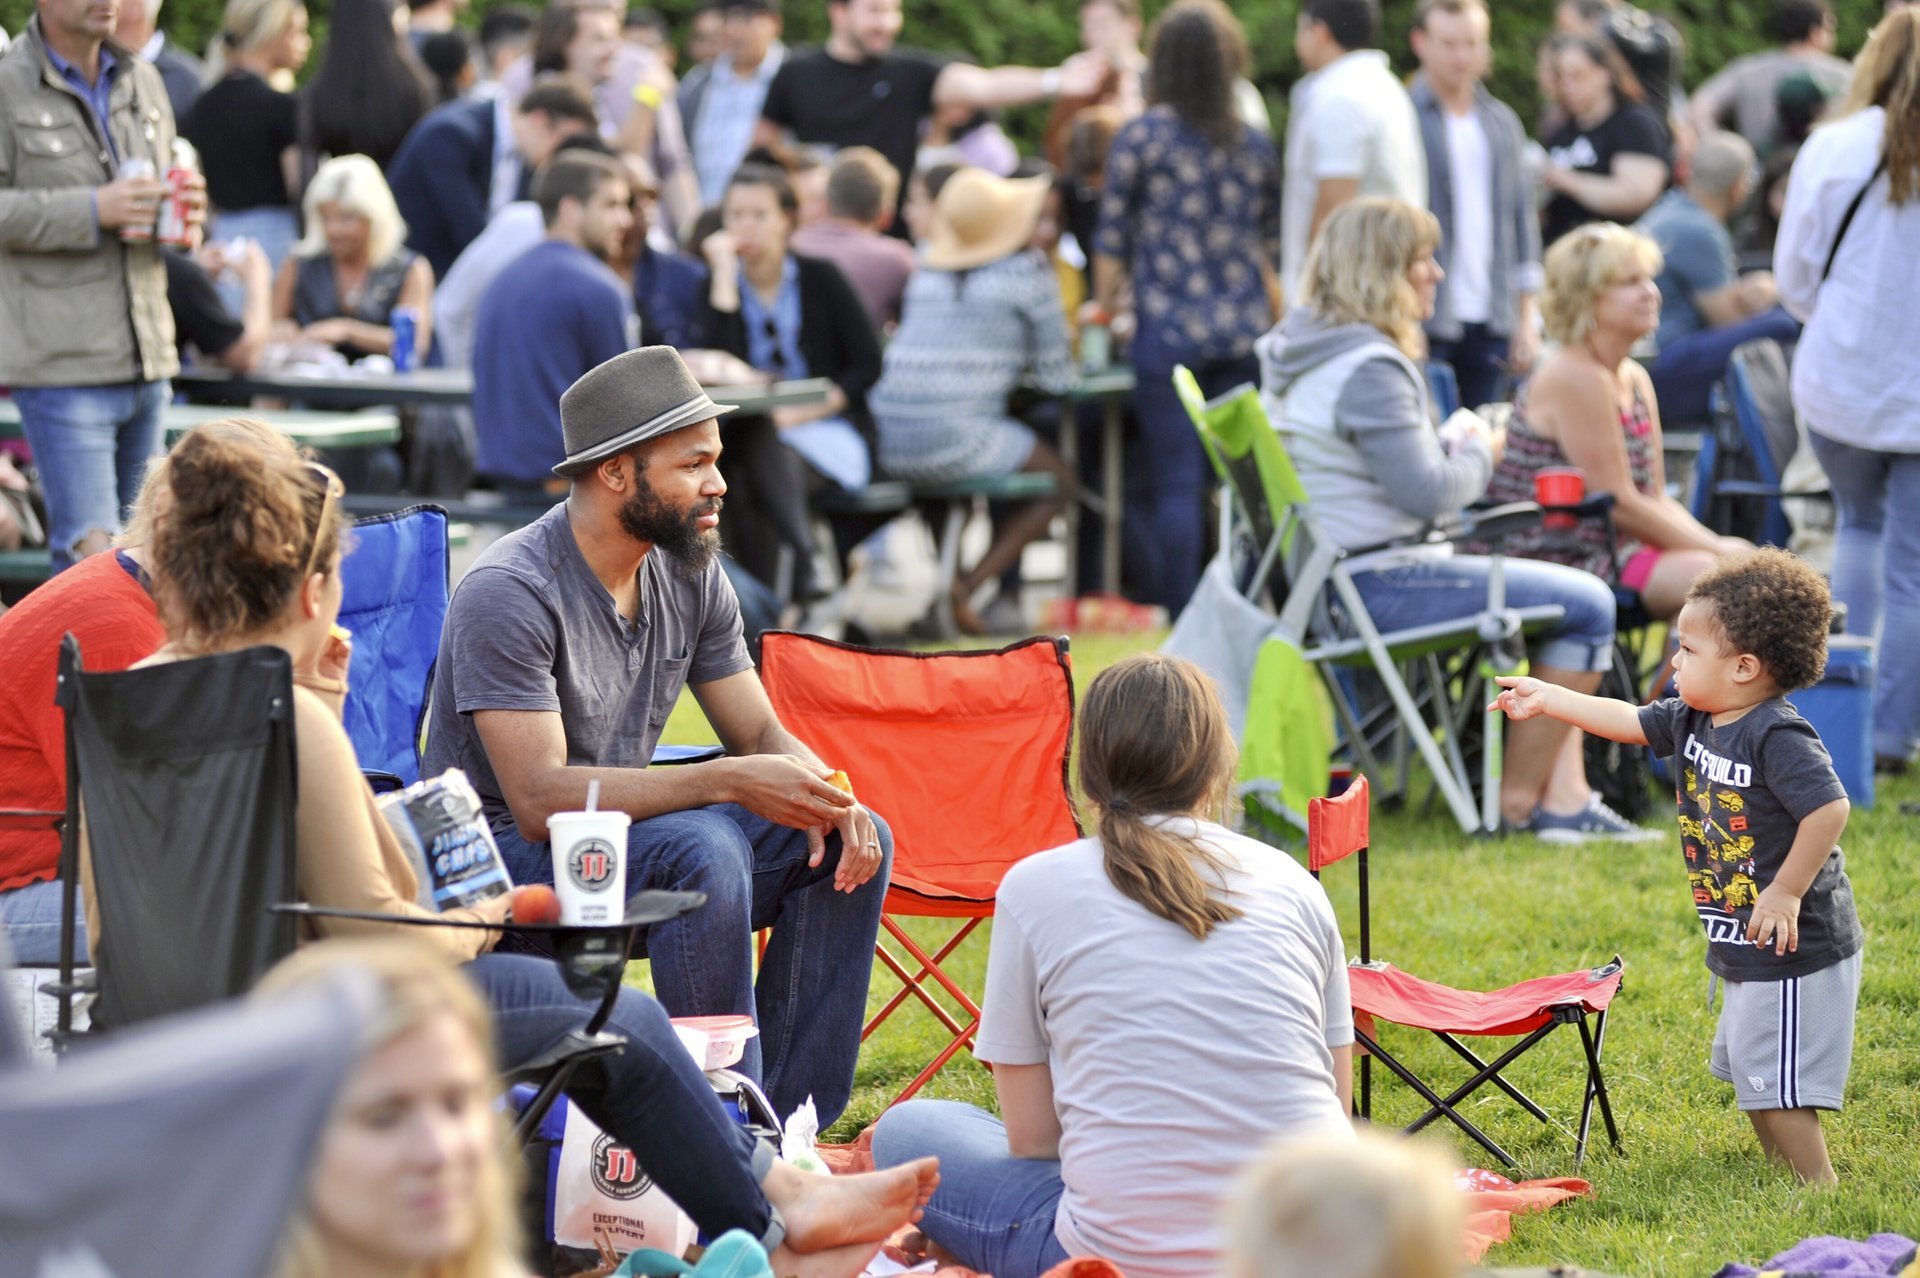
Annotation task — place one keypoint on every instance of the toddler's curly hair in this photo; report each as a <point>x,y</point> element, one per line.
<point>1774,605</point>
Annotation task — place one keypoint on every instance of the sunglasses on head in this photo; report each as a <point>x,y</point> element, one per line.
<point>334,490</point>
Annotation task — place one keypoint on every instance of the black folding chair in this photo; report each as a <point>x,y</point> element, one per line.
<point>186,775</point>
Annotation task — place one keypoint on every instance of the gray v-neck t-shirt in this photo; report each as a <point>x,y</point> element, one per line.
<point>531,628</point>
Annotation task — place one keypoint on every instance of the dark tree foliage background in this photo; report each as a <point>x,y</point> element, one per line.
<point>1040,34</point>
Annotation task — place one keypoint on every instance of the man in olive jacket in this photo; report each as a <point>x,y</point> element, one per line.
<point>86,338</point>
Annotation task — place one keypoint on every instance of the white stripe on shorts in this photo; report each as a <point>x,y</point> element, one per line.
<point>1790,1043</point>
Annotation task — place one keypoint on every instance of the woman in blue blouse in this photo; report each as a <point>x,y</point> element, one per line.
<point>1190,219</point>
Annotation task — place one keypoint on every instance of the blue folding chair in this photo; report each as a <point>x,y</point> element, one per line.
<point>395,587</point>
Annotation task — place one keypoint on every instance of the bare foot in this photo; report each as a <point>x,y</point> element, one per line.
<point>835,1262</point>
<point>829,1211</point>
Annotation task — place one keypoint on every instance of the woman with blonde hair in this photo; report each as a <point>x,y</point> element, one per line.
<point>1590,405</point>
<point>1376,1207</point>
<point>353,269</point>
<point>1136,982</point>
<point>248,131</point>
<point>1343,389</point>
<point>1845,262</point>
<point>411,1178</point>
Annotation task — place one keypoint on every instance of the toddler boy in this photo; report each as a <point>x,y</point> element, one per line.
<point>1760,815</point>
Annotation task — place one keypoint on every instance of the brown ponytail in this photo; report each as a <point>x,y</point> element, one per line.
<point>1154,741</point>
<point>233,535</point>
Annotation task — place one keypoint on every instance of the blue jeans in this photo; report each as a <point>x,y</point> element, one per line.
<point>650,1096</point>
<point>91,445</point>
<point>30,922</point>
<point>1478,358</point>
<point>1876,574</point>
<point>1166,528</point>
<point>1447,589</point>
<point>993,1211</point>
<point>811,997</point>
<point>1684,374</point>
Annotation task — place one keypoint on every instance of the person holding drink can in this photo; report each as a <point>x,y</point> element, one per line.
<point>86,337</point>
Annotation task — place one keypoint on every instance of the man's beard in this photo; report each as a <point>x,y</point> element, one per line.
<point>645,517</point>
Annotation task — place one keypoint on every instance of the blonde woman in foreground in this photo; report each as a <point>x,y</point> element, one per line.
<point>1161,999</point>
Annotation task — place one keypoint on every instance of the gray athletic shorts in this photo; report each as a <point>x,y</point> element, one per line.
<point>1788,1044</point>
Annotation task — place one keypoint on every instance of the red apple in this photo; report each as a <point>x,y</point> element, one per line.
<point>535,903</point>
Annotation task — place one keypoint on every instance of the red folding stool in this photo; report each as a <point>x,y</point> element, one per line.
<point>965,756</point>
<point>1530,1010</point>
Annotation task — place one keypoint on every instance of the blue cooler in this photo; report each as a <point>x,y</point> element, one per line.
<point>1840,708</point>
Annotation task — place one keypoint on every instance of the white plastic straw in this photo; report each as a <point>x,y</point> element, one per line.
<point>593,796</point>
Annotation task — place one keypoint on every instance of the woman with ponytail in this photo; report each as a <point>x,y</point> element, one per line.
<point>1162,1000</point>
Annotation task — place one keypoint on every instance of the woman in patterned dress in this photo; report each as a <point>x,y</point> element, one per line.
<point>1190,224</point>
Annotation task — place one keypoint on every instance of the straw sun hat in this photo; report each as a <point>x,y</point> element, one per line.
<point>982,218</point>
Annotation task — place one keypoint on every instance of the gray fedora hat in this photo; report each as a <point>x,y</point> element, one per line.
<point>627,401</point>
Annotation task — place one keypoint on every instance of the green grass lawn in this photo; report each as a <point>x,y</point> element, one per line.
<point>1688,1192</point>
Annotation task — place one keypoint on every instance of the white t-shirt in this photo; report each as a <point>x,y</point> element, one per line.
<point>1350,119</point>
<point>1855,378</point>
<point>1470,255</point>
<point>1174,1060</point>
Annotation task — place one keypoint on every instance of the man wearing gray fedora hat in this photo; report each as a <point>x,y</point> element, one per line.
<point>566,646</point>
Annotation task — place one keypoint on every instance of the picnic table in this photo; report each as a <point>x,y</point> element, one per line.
<point>312,429</point>
<point>347,388</point>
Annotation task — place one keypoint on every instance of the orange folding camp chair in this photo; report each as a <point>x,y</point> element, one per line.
<point>1530,1010</point>
<point>965,756</point>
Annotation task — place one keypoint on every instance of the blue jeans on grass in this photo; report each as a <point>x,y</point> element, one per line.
<point>1876,574</point>
<point>993,1211</point>
<point>91,445</point>
<point>811,997</point>
<point>1448,589</point>
<point>650,1096</point>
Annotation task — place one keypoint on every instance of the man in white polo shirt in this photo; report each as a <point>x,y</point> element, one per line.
<point>1352,130</point>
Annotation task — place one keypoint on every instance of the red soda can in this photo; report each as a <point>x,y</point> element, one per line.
<point>174,229</point>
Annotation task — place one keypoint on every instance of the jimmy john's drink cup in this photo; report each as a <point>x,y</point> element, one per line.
<point>590,866</point>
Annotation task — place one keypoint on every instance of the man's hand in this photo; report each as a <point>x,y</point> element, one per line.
<point>859,848</point>
<point>1524,698</point>
<point>1775,920</point>
<point>789,791</point>
<point>129,202</point>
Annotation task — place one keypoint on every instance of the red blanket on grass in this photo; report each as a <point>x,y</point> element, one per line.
<point>1492,1203</point>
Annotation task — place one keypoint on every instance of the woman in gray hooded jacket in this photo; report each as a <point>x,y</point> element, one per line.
<point>1343,389</point>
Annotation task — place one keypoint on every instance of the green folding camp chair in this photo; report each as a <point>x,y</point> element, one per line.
<point>1435,677</point>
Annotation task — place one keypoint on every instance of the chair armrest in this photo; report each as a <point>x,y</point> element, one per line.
<point>382,782</point>
<point>30,819</point>
<point>1493,523</point>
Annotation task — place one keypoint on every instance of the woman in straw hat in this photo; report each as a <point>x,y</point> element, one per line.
<point>981,316</point>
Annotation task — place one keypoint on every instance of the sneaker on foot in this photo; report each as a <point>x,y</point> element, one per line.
<point>1592,824</point>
